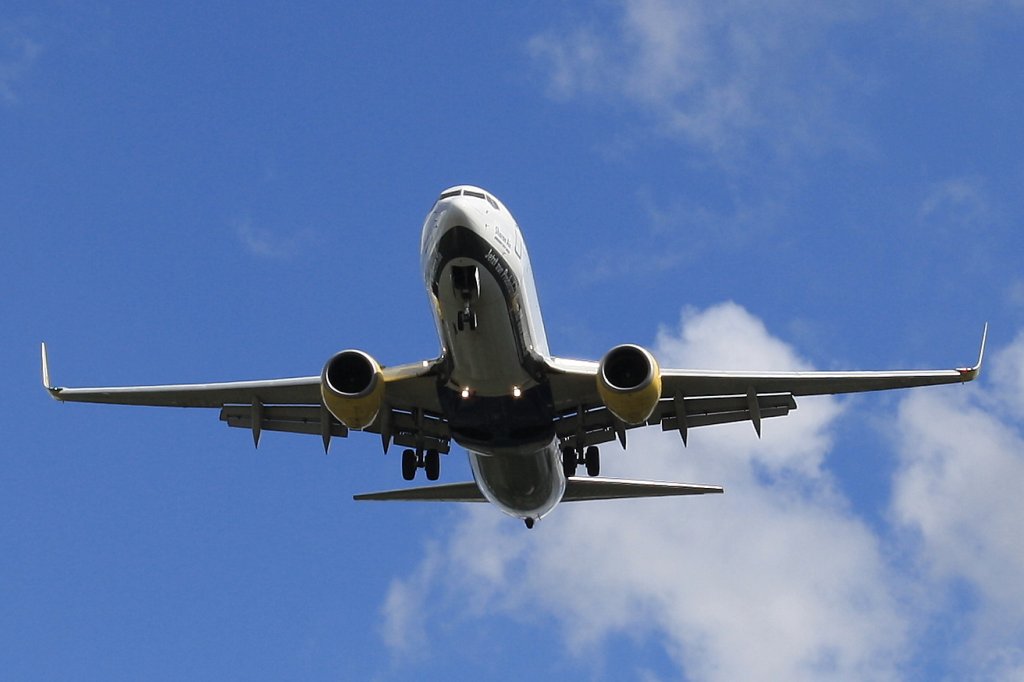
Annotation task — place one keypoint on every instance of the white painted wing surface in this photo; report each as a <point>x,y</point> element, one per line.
<point>292,405</point>
<point>691,398</point>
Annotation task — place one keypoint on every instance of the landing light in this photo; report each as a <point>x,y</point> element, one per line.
<point>465,392</point>
<point>516,392</point>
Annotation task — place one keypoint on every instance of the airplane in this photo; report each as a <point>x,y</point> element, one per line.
<point>526,418</point>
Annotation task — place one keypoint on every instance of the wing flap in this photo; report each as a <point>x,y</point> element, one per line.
<point>430,434</point>
<point>672,423</point>
<point>597,425</point>
<point>288,418</point>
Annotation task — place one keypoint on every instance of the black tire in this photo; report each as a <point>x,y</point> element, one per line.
<point>409,465</point>
<point>432,463</point>
<point>569,460</point>
<point>593,461</point>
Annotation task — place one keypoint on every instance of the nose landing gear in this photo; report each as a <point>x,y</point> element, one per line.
<point>466,319</point>
<point>466,284</point>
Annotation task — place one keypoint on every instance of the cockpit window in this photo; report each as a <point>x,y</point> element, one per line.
<point>461,192</point>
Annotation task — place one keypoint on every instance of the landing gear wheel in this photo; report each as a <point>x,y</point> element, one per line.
<point>529,522</point>
<point>569,461</point>
<point>432,463</point>
<point>466,318</point>
<point>409,465</point>
<point>593,461</point>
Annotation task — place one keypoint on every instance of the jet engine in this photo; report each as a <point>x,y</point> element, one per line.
<point>629,383</point>
<point>352,386</point>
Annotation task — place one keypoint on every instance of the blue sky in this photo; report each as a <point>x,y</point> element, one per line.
<point>236,192</point>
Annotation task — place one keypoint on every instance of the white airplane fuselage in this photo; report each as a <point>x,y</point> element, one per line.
<point>478,277</point>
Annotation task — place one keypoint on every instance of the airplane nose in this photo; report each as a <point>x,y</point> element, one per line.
<point>458,214</point>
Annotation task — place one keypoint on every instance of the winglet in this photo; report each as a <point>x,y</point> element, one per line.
<point>55,392</point>
<point>971,373</point>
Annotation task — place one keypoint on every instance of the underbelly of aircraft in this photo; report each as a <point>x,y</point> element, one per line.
<point>525,484</point>
<point>500,422</point>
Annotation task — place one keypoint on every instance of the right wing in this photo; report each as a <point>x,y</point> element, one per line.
<point>692,398</point>
<point>410,415</point>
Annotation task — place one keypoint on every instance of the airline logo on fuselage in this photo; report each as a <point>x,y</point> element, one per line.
<point>503,239</point>
<point>502,271</point>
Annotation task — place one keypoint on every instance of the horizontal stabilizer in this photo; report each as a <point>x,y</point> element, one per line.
<point>448,492</point>
<point>581,489</point>
<point>576,490</point>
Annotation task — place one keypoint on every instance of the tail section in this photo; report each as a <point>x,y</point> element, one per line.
<point>576,490</point>
<point>584,489</point>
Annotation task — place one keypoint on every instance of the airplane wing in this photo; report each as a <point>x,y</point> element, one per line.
<point>410,416</point>
<point>693,398</point>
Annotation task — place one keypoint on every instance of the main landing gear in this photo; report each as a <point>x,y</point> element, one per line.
<point>573,457</point>
<point>417,459</point>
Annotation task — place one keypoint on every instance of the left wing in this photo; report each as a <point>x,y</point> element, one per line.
<point>410,415</point>
<point>691,398</point>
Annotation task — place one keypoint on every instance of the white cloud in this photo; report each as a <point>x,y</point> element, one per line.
<point>956,493</point>
<point>732,75</point>
<point>18,53</point>
<point>960,216</point>
<point>680,234</point>
<point>265,243</point>
<point>777,579</point>
<point>1008,379</point>
<point>1015,293</point>
<point>404,626</point>
<point>711,72</point>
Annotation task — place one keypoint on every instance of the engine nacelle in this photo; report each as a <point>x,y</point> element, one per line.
<point>629,383</point>
<point>352,386</point>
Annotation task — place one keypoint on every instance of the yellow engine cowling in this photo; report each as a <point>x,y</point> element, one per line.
<point>352,386</point>
<point>629,383</point>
